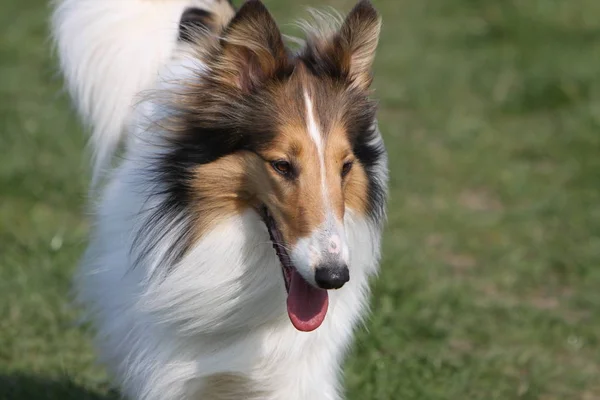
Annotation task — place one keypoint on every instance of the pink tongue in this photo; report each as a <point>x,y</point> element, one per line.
<point>306,304</point>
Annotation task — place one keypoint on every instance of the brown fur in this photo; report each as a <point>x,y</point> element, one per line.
<point>254,85</point>
<point>253,49</point>
<point>205,25</point>
<point>245,180</point>
<point>223,12</point>
<point>229,387</point>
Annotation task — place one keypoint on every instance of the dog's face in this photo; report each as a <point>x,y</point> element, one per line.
<point>293,137</point>
<point>310,175</point>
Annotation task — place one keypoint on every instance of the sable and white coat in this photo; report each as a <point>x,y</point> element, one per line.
<point>232,145</point>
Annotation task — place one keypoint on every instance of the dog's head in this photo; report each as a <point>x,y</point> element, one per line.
<point>292,136</point>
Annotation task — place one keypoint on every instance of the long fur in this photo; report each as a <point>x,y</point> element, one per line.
<point>177,318</point>
<point>110,52</point>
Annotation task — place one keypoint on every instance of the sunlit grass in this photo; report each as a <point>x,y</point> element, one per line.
<point>490,274</point>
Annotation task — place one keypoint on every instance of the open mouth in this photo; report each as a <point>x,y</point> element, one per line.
<point>306,304</point>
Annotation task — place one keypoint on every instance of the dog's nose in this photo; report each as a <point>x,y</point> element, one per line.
<point>332,276</point>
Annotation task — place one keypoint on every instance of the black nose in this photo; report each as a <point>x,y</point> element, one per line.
<point>332,276</point>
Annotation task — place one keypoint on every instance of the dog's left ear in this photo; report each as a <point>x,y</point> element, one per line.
<point>357,41</point>
<point>349,53</point>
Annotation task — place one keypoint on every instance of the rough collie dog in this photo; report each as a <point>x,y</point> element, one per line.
<point>240,192</point>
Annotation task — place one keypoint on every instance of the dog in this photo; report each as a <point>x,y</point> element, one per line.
<point>238,194</point>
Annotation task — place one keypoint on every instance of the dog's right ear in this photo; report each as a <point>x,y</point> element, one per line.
<point>252,49</point>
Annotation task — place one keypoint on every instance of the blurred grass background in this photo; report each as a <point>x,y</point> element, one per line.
<point>490,277</point>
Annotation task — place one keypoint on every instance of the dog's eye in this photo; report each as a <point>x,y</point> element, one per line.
<point>346,168</point>
<point>283,167</point>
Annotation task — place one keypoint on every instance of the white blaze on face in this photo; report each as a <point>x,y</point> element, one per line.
<point>317,138</point>
<point>327,243</point>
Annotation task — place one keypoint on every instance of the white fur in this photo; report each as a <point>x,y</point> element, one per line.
<point>220,310</point>
<point>171,332</point>
<point>314,250</point>
<point>110,51</point>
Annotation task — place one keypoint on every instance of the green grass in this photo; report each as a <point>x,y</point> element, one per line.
<point>491,267</point>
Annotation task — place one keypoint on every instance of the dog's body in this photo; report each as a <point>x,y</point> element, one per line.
<point>180,279</point>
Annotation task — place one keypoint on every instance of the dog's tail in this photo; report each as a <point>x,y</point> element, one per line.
<point>111,50</point>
